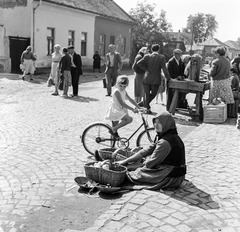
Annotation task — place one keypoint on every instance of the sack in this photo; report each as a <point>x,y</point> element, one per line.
<point>61,79</point>
<point>22,67</point>
<point>104,83</point>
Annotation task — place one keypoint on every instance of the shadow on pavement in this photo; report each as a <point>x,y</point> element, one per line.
<point>192,195</point>
<point>82,99</point>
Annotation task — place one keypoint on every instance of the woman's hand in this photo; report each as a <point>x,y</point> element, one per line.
<point>122,162</point>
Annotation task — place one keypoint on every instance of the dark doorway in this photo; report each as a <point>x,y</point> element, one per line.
<point>17,46</point>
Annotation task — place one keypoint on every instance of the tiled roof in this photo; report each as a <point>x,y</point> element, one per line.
<point>104,8</point>
<point>213,42</point>
<point>194,47</point>
<point>232,44</point>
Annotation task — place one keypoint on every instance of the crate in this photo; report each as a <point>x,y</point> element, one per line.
<point>215,113</point>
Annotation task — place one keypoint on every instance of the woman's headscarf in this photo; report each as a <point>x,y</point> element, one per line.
<point>167,121</point>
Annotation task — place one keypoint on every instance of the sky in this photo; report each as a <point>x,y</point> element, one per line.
<point>227,13</point>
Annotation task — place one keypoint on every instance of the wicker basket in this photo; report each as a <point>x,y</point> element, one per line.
<point>107,153</point>
<point>114,177</point>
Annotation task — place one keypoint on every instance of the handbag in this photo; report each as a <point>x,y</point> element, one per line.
<point>50,81</point>
<point>61,80</point>
<point>104,83</point>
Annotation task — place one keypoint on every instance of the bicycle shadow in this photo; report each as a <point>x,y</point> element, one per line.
<point>82,99</point>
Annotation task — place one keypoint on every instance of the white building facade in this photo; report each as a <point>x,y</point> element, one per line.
<point>42,25</point>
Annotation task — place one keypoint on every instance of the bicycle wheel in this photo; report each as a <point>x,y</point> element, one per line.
<point>146,137</point>
<point>96,136</point>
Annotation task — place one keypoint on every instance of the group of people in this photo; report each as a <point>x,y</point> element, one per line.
<point>66,69</point>
<point>163,162</point>
<point>160,165</point>
<point>153,73</point>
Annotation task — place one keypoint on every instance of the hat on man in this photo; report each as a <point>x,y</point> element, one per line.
<point>71,47</point>
<point>177,50</point>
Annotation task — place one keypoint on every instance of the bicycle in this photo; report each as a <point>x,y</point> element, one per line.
<point>97,136</point>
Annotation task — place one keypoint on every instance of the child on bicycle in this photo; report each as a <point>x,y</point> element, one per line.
<point>118,111</point>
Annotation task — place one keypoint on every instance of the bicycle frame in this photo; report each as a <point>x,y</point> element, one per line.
<point>144,123</point>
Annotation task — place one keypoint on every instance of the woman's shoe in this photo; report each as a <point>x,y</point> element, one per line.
<point>54,94</point>
<point>149,112</point>
<point>114,134</point>
<point>97,156</point>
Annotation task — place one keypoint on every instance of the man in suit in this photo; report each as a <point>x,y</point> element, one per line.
<point>176,70</point>
<point>153,64</point>
<point>76,69</point>
<point>113,68</point>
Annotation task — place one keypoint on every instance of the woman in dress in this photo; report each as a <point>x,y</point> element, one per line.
<point>56,57</point>
<point>139,74</point>
<point>118,111</point>
<point>164,163</point>
<point>221,82</point>
<point>97,62</point>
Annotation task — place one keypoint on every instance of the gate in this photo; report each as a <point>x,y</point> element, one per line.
<point>17,46</point>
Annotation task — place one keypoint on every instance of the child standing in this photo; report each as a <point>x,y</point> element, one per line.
<point>65,70</point>
<point>161,90</point>
<point>119,109</point>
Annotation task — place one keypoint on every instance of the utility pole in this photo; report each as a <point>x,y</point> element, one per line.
<point>192,34</point>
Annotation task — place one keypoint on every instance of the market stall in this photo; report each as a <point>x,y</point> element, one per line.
<point>189,86</point>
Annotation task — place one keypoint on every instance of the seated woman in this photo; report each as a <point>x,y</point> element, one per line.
<point>164,165</point>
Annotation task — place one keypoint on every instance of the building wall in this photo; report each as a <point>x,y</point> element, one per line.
<point>14,21</point>
<point>120,30</point>
<point>62,19</point>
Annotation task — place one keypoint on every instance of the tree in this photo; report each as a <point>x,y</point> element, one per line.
<point>149,26</point>
<point>202,27</point>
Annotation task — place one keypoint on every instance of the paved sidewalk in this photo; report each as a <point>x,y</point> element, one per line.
<point>41,153</point>
<point>209,199</point>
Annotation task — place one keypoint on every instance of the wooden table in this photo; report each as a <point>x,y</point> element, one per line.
<point>188,86</point>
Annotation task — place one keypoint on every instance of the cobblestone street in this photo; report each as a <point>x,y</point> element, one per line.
<point>41,154</point>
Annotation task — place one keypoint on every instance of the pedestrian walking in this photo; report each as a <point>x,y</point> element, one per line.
<point>119,109</point>
<point>76,69</point>
<point>161,90</point>
<point>113,68</point>
<point>53,78</point>
<point>139,74</point>
<point>153,64</point>
<point>97,62</point>
<point>27,62</point>
<point>65,70</point>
